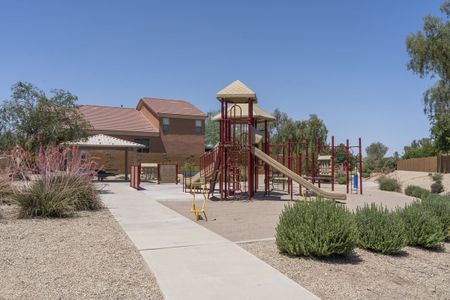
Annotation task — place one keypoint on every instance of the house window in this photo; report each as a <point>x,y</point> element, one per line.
<point>166,124</point>
<point>146,143</point>
<point>198,126</point>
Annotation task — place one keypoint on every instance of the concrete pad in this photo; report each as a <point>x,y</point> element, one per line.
<point>188,260</point>
<point>221,271</point>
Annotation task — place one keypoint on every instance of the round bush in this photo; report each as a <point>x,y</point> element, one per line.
<point>423,228</point>
<point>437,188</point>
<point>440,207</point>
<point>317,228</point>
<point>86,198</point>
<point>389,184</point>
<point>416,191</point>
<point>57,196</point>
<point>380,230</point>
<point>45,198</point>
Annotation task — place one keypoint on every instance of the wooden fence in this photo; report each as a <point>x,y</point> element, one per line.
<point>439,164</point>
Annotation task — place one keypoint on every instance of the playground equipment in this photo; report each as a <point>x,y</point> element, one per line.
<point>244,148</point>
<point>194,210</point>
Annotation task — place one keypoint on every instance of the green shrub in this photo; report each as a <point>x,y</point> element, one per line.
<point>57,196</point>
<point>365,175</point>
<point>85,194</point>
<point>45,198</point>
<point>416,191</point>
<point>423,228</point>
<point>437,187</point>
<point>318,228</point>
<point>389,184</point>
<point>437,177</point>
<point>380,229</point>
<point>341,180</point>
<point>440,207</point>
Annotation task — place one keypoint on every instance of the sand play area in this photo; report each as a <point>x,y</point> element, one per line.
<point>414,274</point>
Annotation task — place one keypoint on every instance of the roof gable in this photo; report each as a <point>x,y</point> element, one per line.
<point>169,107</point>
<point>120,119</point>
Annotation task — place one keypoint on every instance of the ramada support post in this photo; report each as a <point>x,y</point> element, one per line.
<point>126,164</point>
<point>250,167</point>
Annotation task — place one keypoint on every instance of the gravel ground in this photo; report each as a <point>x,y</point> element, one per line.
<point>84,257</point>
<point>415,274</point>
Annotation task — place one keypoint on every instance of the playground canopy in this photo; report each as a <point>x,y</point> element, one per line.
<point>259,114</point>
<point>236,92</point>
<point>102,141</point>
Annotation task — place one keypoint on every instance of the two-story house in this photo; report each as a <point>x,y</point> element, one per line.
<point>171,130</point>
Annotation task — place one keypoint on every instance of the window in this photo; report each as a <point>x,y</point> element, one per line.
<point>166,124</point>
<point>198,126</point>
<point>145,142</point>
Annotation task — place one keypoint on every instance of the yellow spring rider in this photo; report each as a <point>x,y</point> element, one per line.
<point>204,191</point>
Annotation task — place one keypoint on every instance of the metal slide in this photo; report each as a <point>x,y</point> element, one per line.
<point>295,177</point>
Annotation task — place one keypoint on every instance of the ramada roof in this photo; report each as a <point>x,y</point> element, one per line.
<point>117,119</point>
<point>169,107</point>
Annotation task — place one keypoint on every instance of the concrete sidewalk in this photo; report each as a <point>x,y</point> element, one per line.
<point>188,260</point>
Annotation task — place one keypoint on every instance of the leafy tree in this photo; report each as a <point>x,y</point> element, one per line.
<point>285,128</point>
<point>211,128</point>
<point>376,150</point>
<point>31,119</point>
<point>429,52</point>
<point>375,160</point>
<point>420,148</point>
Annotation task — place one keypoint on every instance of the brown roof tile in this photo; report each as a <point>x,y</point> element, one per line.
<point>107,118</point>
<point>171,107</point>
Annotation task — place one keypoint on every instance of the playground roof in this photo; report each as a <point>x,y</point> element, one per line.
<point>236,92</point>
<point>259,114</point>
<point>169,107</point>
<point>112,120</point>
<point>105,141</point>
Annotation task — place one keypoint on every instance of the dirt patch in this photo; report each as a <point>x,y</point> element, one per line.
<point>422,179</point>
<point>416,274</point>
<point>84,257</point>
<point>236,220</point>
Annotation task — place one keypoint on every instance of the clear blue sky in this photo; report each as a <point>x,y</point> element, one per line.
<point>343,60</point>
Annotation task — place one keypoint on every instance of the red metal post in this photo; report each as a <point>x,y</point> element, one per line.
<point>313,169</point>
<point>360,167</point>
<point>289,162</point>
<point>332,163</point>
<point>226,176</point>
<point>266,166</point>
<point>221,147</point>
<point>318,167</point>
<point>307,159</point>
<point>300,172</point>
<point>250,166</point>
<point>346,163</point>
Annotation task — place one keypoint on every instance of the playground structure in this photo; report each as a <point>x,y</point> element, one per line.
<point>244,150</point>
